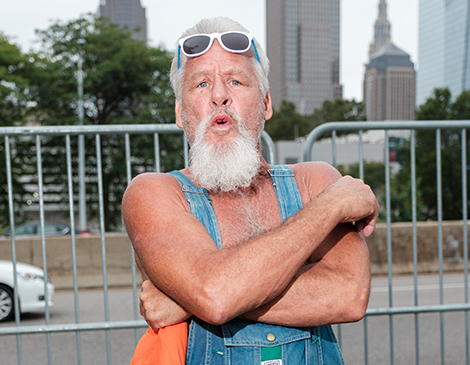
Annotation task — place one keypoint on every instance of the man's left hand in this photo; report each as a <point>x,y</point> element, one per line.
<point>158,309</point>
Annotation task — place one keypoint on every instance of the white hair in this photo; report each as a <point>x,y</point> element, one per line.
<point>218,25</point>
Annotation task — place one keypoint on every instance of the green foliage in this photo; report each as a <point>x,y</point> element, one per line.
<point>287,124</point>
<point>16,72</point>
<point>124,82</point>
<point>438,107</point>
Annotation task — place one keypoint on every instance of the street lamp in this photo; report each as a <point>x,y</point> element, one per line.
<point>81,146</point>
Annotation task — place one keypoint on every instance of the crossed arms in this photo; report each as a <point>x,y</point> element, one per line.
<point>263,278</point>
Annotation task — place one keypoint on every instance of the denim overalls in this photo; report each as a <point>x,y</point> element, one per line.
<point>241,342</point>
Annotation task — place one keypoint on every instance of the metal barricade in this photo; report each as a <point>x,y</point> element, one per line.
<point>378,342</point>
<point>374,340</point>
<point>11,135</point>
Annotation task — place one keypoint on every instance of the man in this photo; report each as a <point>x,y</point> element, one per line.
<point>261,258</point>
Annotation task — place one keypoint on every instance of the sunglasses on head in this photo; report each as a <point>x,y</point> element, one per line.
<point>198,44</point>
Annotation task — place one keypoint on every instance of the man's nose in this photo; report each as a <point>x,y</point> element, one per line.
<point>220,94</point>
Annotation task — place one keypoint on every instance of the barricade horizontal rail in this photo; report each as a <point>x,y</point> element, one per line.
<point>73,327</point>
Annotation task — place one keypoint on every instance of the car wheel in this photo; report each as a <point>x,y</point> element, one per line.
<point>6,303</point>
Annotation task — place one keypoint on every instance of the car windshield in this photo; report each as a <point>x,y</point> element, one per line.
<point>50,229</point>
<point>25,230</point>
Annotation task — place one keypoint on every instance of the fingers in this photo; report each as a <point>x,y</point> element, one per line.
<point>357,203</point>
<point>366,226</point>
<point>147,305</point>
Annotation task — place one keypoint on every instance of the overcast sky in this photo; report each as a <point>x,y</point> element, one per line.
<point>168,19</point>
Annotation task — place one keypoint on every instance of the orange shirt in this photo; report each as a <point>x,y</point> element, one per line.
<point>166,347</point>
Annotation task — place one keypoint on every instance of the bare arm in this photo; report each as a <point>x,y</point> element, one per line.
<point>331,289</point>
<point>180,257</point>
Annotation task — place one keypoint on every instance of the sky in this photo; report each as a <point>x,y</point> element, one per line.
<point>168,19</point>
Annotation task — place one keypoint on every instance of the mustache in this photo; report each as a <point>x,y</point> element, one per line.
<point>223,110</point>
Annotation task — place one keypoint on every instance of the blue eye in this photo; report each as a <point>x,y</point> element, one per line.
<point>235,82</point>
<point>203,84</point>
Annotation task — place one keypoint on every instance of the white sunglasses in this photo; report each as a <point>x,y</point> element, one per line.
<point>198,44</point>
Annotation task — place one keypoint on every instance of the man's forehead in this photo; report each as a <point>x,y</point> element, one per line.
<point>203,71</point>
<point>221,59</point>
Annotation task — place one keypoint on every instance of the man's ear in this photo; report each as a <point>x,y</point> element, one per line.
<point>178,114</point>
<point>268,107</point>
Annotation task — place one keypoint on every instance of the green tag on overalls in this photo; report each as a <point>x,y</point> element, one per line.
<point>271,355</point>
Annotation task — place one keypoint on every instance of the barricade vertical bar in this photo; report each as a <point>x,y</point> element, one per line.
<point>43,240</point>
<point>333,152</point>
<point>134,276</point>
<point>186,150</point>
<point>415,238</point>
<point>333,147</point>
<point>268,149</point>
<point>74,248</point>
<point>361,176</point>
<point>361,156</point>
<point>99,169</point>
<point>439,240</point>
<point>156,140</point>
<point>389,239</point>
<point>16,303</point>
<point>464,236</point>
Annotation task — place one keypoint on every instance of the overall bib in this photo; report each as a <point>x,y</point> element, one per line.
<point>241,342</point>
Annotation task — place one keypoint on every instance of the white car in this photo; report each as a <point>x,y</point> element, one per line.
<point>31,293</point>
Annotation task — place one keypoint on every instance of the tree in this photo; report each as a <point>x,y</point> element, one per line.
<point>16,71</point>
<point>124,81</point>
<point>339,110</point>
<point>123,78</point>
<point>287,124</point>
<point>438,107</point>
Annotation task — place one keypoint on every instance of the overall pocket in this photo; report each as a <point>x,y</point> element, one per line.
<point>258,343</point>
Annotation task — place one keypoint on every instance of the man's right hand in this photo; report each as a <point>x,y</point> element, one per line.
<point>158,309</point>
<point>356,203</point>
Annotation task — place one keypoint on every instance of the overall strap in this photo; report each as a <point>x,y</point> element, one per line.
<point>200,203</point>
<point>287,192</point>
<point>200,206</point>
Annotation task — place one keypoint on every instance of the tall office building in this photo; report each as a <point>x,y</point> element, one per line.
<point>443,47</point>
<point>303,47</point>
<point>389,87</point>
<point>382,30</point>
<point>128,13</point>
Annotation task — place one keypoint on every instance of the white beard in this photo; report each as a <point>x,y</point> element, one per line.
<point>227,167</point>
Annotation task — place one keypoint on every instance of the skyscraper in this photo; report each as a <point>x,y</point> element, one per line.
<point>128,13</point>
<point>443,47</point>
<point>382,29</point>
<point>389,87</point>
<point>303,47</point>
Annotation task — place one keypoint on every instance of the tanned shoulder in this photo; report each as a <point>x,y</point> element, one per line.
<point>150,196</point>
<point>313,177</point>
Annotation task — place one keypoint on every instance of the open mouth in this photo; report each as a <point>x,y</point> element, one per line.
<point>222,120</point>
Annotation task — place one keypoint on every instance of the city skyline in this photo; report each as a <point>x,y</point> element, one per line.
<point>390,77</point>
<point>303,47</point>
<point>357,25</point>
